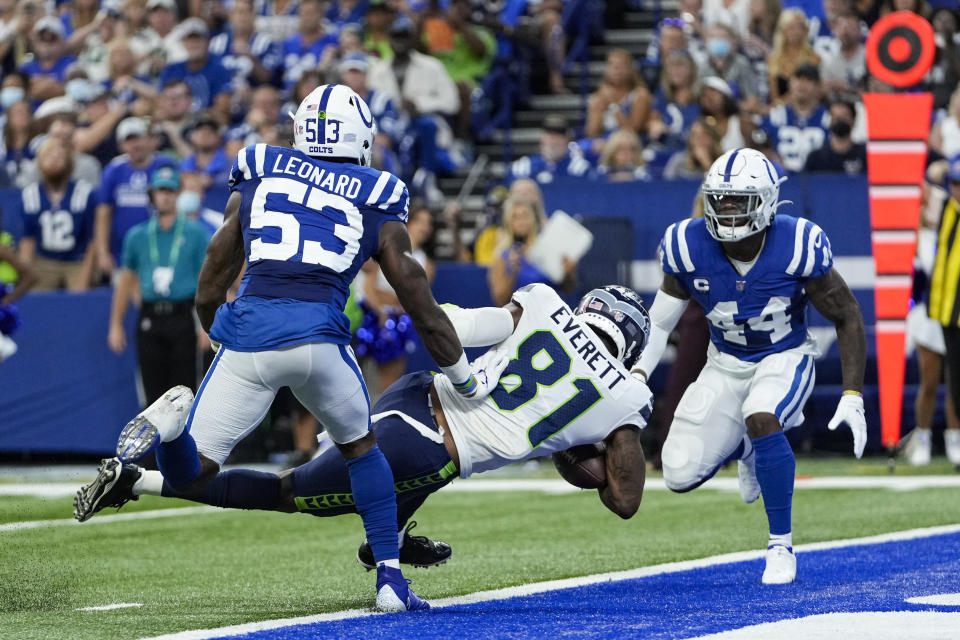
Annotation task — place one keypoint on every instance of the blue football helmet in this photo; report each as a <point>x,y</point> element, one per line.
<point>617,312</point>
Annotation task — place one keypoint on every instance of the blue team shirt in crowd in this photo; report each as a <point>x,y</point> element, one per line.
<point>261,47</point>
<point>795,136</point>
<point>764,311</point>
<point>206,83</point>
<point>308,226</point>
<point>572,165</point>
<point>58,71</point>
<point>678,118</point>
<point>385,113</point>
<point>338,17</point>
<point>124,187</point>
<point>62,232</point>
<point>299,57</point>
<point>219,171</point>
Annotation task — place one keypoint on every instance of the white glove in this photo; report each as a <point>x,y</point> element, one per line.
<point>486,371</point>
<point>850,410</point>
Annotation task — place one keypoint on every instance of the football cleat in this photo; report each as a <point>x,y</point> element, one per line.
<point>747,478</point>
<point>781,566</point>
<point>394,593</point>
<point>951,439</point>
<point>417,551</point>
<point>161,421</point>
<point>917,447</point>
<point>113,487</point>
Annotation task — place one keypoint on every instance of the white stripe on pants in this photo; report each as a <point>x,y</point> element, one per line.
<point>240,386</point>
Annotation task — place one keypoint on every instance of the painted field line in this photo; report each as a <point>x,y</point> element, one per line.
<point>556,585</point>
<point>558,486</point>
<point>117,517</point>
<point>111,607</point>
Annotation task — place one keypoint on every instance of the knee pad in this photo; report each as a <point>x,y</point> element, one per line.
<point>681,457</point>
<point>696,403</point>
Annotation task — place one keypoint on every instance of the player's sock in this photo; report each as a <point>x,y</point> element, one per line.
<point>776,467</point>
<point>371,482</point>
<point>784,540</point>
<point>236,489</point>
<point>178,460</point>
<point>150,483</point>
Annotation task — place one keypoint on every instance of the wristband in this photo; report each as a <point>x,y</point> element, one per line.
<point>459,373</point>
<point>851,392</point>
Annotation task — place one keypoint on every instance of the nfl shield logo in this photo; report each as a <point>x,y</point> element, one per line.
<point>741,285</point>
<point>617,316</point>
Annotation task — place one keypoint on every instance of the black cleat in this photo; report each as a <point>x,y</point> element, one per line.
<point>113,487</point>
<point>417,551</point>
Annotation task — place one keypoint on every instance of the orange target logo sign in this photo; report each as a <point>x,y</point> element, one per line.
<point>900,49</point>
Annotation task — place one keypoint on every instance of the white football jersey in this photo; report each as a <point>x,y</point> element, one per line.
<point>561,388</point>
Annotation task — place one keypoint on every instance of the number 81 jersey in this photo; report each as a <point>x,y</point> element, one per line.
<point>561,388</point>
<point>763,311</point>
<point>308,226</point>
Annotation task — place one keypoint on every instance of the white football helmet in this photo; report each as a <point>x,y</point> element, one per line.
<point>334,122</point>
<point>740,195</point>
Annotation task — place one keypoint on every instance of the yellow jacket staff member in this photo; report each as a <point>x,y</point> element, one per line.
<point>945,282</point>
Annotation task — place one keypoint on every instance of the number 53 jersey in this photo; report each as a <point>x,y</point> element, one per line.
<point>308,226</point>
<point>560,388</point>
<point>763,311</point>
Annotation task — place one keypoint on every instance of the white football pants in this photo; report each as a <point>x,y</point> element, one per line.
<point>239,388</point>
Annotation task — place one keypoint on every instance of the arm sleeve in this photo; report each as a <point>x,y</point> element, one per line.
<point>480,327</point>
<point>665,312</point>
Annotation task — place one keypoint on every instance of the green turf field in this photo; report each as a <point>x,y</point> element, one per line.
<point>219,568</point>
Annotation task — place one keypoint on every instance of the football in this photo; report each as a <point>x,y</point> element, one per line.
<point>582,466</point>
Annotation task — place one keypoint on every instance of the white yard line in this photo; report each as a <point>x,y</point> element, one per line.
<point>558,486</point>
<point>555,585</point>
<point>106,519</point>
<point>111,607</point>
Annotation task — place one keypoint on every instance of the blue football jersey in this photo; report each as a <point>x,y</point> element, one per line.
<point>795,136</point>
<point>308,226</point>
<point>763,312</point>
<point>61,232</point>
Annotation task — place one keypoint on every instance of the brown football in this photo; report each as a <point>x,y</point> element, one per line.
<point>582,466</point>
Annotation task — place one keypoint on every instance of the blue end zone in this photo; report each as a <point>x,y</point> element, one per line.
<point>866,578</point>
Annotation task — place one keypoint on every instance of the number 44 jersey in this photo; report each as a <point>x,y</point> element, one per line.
<point>308,226</point>
<point>763,311</point>
<point>561,388</point>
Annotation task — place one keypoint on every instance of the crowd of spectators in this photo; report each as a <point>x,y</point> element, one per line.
<point>782,76</point>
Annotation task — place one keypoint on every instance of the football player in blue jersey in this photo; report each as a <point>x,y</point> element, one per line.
<point>753,272</point>
<point>304,220</point>
<point>430,435</point>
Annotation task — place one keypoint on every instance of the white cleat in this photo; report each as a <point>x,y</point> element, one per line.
<point>918,448</point>
<point>781,566</point>
<point>747,478</point>
<point>951,438</point>
<point>162,421</point>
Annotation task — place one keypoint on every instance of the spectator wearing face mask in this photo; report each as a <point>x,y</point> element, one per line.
<point>726,62</point>
<point>13,89</point>
<point>557,158</point>
<point>58,215</point>
<point>207,169</point>
<point>840,154</point>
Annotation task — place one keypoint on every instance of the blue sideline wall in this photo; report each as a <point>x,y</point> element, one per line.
<point>64,391</point>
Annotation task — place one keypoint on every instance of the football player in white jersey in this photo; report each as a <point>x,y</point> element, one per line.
<point>303,220</point>
<point>753,272</point>
<point>564,381</point>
